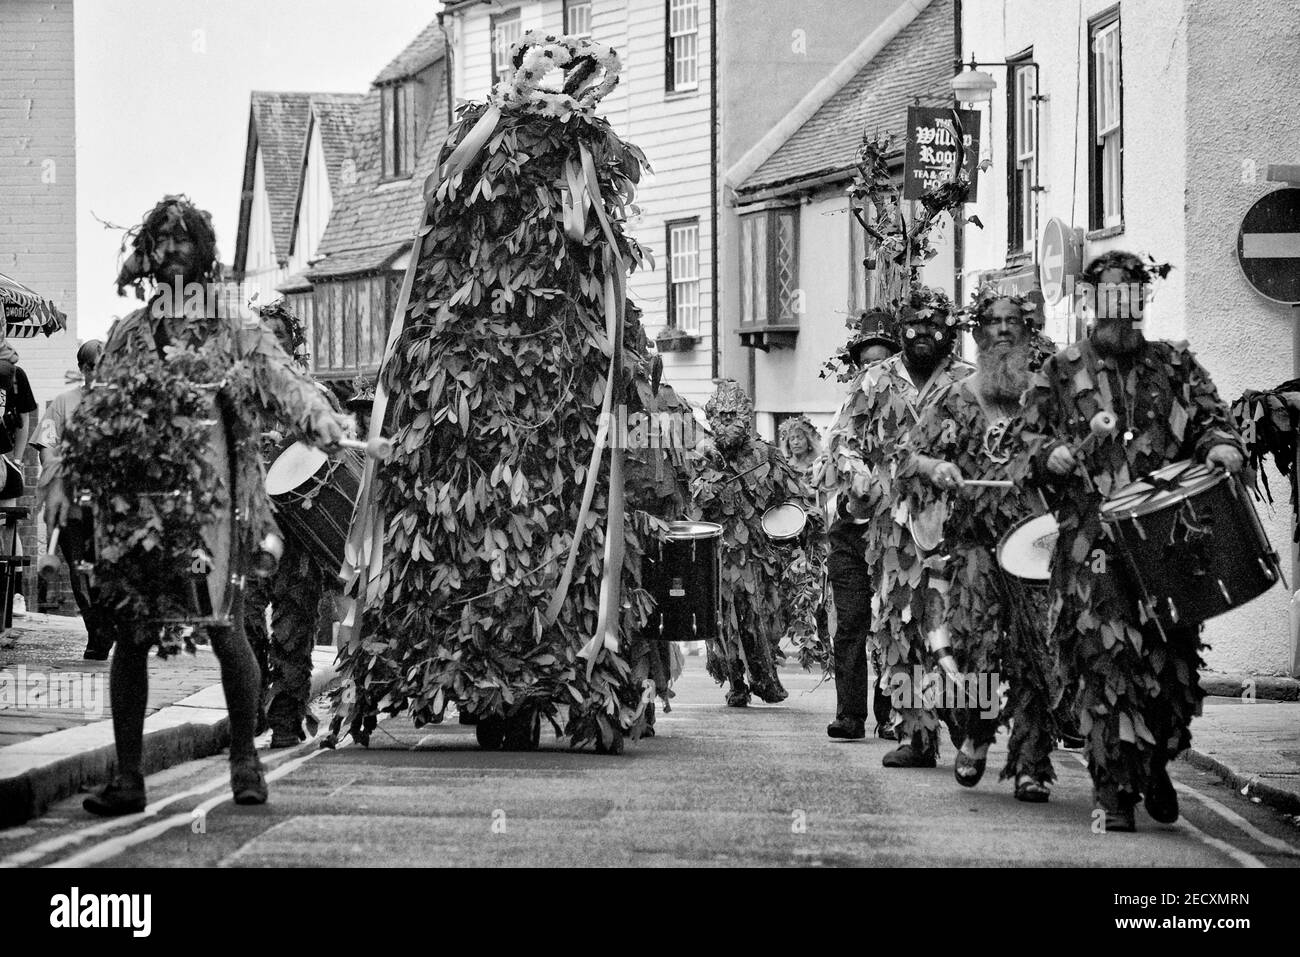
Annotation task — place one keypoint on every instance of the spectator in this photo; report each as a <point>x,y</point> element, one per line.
<point>77,539</point>
<point>16,404</point>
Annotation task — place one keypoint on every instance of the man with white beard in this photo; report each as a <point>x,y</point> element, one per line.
<point>972,431</point>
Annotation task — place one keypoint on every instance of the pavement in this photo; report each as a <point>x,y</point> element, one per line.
<point>56,735</point>
<point>56,728</point>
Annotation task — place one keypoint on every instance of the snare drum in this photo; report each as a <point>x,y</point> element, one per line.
<point>1025,552</point>
<point>314,496</point>
<point>784,522</point>
<point>685,580</point>
<point>1191,542</point>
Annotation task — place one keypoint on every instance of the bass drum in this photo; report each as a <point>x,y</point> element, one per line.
<point>1192,543</point>
<point>685,580</point>
<point>314,497</point>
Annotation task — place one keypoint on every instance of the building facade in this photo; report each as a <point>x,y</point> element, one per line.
<point>1155,124</point>
<point>38,200</point>
<point>797,262</point>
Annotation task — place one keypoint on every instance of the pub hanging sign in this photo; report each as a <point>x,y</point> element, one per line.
<point>938,139</point>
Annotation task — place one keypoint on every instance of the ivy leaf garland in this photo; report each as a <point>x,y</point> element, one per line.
<point>496,384</point>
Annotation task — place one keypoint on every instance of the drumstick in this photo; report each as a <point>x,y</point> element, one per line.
<point>378,448</point>
<point>989,483</point>
<point>48,565</point>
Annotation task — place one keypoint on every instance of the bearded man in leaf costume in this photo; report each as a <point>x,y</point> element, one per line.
<point>1139,688</point>
<point>972,431</point>
<point>739,476</point>
<point>885,400</point>
<point>497,503</point>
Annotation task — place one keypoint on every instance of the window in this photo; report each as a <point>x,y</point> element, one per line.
<point>684,276</point>
<point>857,264</point>
<point>1021,154</point>
<point>769,267</point>
<point>506,30</point>
<point>397,103</point>
<point>1106,123</point>
<point>681,46</point>
<point>577,18</point>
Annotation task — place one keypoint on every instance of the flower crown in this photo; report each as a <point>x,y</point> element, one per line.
<point>923,302</point>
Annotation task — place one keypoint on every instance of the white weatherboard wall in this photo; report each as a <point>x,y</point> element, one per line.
<point>1243,90</point>
<point>672,130</point>
<point>262,271</point>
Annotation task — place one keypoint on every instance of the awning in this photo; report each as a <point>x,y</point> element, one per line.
<point>26,313</point>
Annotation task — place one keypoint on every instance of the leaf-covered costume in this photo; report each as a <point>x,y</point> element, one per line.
<point>168,392</point>
<point>995,630</point>
<point>495,386</point>
<point>883,404</point>
<point>756,610</point>
<point>1138,692</point>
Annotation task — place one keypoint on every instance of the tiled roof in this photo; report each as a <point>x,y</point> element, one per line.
<point>916,62</point>
<point>423,51</point>
<point>337,114</point>
<point>281,120</point>
<point>371,219</point>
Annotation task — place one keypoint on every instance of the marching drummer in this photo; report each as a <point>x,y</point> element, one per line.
<point>176,244</point>
<point>1139,687</point>
<point>964,472</point>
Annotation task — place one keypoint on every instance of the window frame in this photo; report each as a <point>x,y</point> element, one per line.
<point>1022,157</point>
<point>1105,123</point>
<point>673,38</point>
<point>673,280</point>
<point>397,130</point>
<point>497,20</point>
<point>776,310</point>
<point>567,8</point>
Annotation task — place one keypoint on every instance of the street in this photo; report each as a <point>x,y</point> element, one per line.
<point>716,786</point>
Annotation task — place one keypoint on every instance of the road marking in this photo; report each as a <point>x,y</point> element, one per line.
<point>1231,816</point>
<point>54,845</point>
<point>1243,858</point>
<point>117,845</point>
<point>1270,245</point>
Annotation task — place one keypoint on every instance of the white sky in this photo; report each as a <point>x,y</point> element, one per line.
<point>162,108</point>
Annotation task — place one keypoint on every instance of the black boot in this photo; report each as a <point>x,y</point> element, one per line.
<point>286,723</point>
<point>247,781</point>
<point>1160,799</point>
<point>846,727</point>
<point>123,795</point>
<point>913,755</point>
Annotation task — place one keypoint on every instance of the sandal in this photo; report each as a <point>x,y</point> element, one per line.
<point>968,770</point>
<point>1031,791</point>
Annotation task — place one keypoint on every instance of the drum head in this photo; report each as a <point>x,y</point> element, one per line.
<point>685,531</point>
<point>1162,488</point>
<point>1026,551</point>
<point>784,521</point>
<point>292,467</point>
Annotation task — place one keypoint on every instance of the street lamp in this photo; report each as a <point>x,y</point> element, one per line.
<point>973,86</point>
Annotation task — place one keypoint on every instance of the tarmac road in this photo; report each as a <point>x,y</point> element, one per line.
<point>715,787</point>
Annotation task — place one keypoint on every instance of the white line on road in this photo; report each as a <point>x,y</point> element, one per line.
<point>116,845</point>
<point>1231,816</point>
<point>1241,857</point>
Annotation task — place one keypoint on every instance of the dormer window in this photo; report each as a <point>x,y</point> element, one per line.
<point>397,103</point>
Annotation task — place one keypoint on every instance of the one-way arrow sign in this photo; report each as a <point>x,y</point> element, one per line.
<point>1268,246</point>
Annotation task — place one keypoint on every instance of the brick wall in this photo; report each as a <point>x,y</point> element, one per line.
<point>38,198</point>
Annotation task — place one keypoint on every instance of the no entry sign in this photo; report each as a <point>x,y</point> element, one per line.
<point>1059,258</point>
<point>1268,246</point>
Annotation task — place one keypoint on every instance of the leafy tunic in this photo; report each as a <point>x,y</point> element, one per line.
<point>145,429</point>
<point>754,603</point>
<point>863,450</point>
<point>496,384</point>
<point>1138,694</point>
<point>993,627</point>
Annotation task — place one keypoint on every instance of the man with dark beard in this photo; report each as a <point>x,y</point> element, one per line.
<point>971,431</point>
<point>1139,688</point>
<point>738,477</point>
<point>884,402</point>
